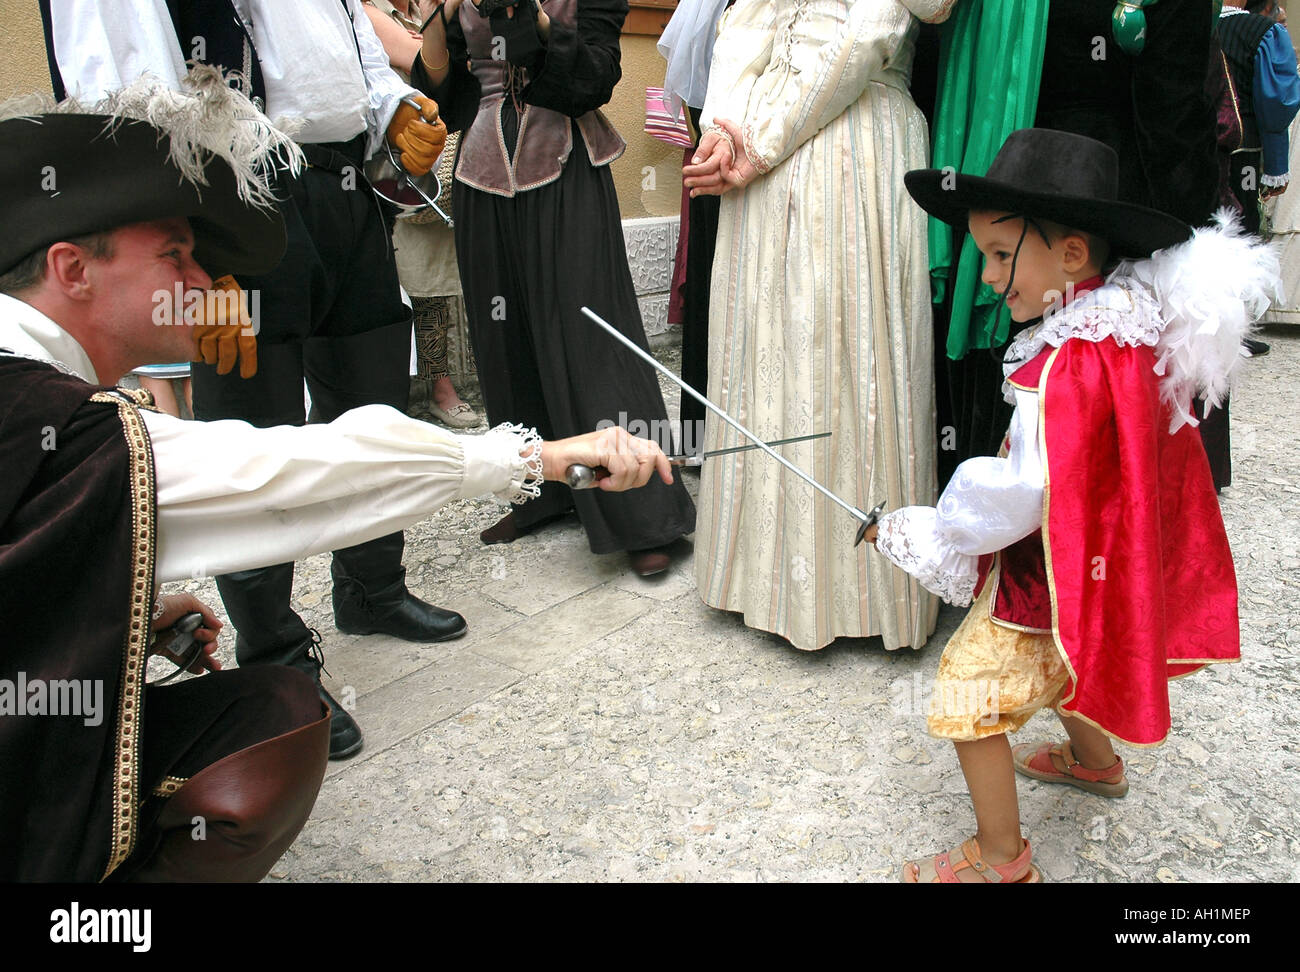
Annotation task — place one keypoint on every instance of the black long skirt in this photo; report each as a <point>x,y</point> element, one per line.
<point>528,265</point>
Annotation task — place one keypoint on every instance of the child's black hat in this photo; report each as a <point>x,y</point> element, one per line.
<point>1058,176</point>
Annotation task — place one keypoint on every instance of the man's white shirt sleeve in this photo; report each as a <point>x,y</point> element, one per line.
<point>232,497</point>
<point>383,85</point>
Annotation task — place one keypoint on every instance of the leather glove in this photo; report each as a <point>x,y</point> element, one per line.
<point>221,321</point>
<point>418,135</point>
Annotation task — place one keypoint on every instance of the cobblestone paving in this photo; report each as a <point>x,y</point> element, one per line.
<point>595,726</point>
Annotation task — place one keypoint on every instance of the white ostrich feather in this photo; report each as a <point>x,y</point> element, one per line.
<point>206,117</point>
<point>1211,291</point>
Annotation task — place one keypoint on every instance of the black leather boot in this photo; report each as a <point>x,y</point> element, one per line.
<point>268,631</point>
<point>345,734</point>
<point>370,596</point>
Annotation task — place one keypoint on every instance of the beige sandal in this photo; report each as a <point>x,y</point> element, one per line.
<point>941,869</point>
<point>459,416</point>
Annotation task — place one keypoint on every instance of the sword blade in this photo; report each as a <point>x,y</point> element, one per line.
<point>687,460</point>
<point>857,514</point>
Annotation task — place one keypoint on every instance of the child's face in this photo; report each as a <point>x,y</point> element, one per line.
<point>1041,275</point>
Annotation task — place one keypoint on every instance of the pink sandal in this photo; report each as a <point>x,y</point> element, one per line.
<point>1036,762</point>
<point>944,871</point>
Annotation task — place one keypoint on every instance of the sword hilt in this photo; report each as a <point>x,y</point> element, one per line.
<point>872,518</point>
<point>579,476</point>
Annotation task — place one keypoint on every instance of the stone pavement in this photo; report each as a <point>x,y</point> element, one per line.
<point>593,726</point>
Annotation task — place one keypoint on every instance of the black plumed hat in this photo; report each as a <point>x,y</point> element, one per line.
<point>146,153</point>
<point>1058,176</point>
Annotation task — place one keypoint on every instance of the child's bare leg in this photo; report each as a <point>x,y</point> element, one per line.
<point>991,778</point>
<point>987,765</point>
<point>1090,746</point>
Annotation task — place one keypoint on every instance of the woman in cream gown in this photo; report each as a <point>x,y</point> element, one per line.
<point>819,317</point>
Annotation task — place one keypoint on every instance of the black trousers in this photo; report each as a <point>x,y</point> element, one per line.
<point>331,314</point>
<point>701,241</point>
<point>1246,171</point>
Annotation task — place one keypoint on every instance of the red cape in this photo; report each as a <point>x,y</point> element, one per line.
<point>1133,575</point>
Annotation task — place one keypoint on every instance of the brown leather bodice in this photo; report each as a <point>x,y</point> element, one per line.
<point>545,136</point>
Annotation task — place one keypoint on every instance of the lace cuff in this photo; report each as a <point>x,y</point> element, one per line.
<point>723,134</point>
<point>910,539</point>
<point>1272,181</point>
<point>507,452</point>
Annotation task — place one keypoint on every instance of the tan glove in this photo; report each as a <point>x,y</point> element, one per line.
<point>219,329</point>
<point>418,135</point>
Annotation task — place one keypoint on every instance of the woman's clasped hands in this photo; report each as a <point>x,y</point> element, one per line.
<point>721,163</point>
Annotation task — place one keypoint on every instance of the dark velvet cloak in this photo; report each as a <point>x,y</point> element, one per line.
<point>76,588</point>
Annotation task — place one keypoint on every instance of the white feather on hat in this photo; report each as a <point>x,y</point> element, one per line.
<point>207,116</point>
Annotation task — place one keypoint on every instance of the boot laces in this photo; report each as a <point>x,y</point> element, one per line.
<point>316,653</point>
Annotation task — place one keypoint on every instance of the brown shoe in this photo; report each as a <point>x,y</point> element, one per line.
<point>647,563</point>
<point>504,531</point>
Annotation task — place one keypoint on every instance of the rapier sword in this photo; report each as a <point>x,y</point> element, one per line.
<point>685,460</point>
<point>865,519</point>
<point>584,477</point>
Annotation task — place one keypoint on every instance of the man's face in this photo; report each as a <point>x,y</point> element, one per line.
<point>1039,279</point>
<point>136,290</point>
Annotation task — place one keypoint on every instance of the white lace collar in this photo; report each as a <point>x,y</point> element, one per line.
<point>1120,309</point>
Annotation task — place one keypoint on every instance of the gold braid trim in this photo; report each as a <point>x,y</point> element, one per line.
<point>995,578</point>
<point>170,785</point>
<point>126,757</point>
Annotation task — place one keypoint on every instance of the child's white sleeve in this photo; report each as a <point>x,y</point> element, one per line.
<point>989,504</point>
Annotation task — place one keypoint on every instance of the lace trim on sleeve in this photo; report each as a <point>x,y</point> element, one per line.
<point>526,477</point>
<point>902,538</point>
<point>1275,180</point>
<point>749,135</point>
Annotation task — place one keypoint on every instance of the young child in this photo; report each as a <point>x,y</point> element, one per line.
<point>1093,546</point>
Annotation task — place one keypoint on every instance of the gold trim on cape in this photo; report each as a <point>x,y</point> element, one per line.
<point>1047,538</point>
<point>126,757</point>
<point>1051,583</point>
<point>169,786</point>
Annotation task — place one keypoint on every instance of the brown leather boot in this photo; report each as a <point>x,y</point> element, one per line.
<point>251,804</point>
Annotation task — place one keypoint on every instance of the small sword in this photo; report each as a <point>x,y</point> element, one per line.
<point>579,476</point>
<point>699,460</point>
<point>865,519</point>
<point>406,177</point>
